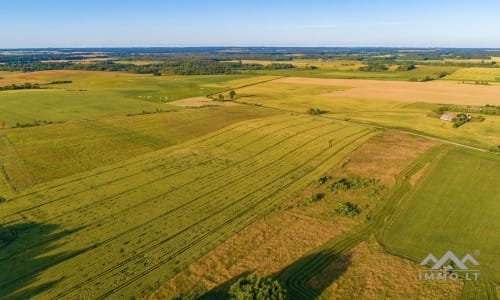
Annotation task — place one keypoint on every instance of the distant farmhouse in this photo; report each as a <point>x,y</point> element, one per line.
<point>448,117</point>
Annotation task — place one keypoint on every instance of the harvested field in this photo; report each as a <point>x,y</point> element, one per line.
<point>429,92</point>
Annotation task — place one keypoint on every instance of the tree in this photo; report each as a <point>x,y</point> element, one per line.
<point>232,94</point>
<point>255,287</point>
<point>221,97</point>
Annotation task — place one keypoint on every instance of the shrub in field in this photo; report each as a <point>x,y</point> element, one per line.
<point>347,209</point>
<point>255,287</point>
<point>316,197</point>
<point>345,184</point>
<point>322,180</point>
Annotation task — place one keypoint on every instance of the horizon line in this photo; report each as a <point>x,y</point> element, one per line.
<point>251,46</point>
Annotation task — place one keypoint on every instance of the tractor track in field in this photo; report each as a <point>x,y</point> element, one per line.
<point>139,172</point>
<point>162,194</point>
<point>266,166</point>
<point>207,234</point>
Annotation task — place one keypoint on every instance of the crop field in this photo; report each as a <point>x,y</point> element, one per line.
<point>93,95</point>
<point>288,235</point>
<point>38,154</point>
<point>334,181</point>
<point>349,69</point>
<point>401,105</point>
<point>473,74</point>
<point>461,186</point>
<point>122,230</point>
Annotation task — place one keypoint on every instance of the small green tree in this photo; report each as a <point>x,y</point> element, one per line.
<point>255,287</point>
<point>232,95</point>
<point>220,97</point>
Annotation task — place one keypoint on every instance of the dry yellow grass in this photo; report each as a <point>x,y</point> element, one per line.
<point>429,92</point>
<point>371,273</point>
<point>274,242</point>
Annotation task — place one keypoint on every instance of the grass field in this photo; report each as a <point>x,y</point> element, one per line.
<point>99,94</point>
<point>122,230</point>
<point>38,154</point>
<point>455,208</point>
<point>403,105</point>
<point>473,74</point>
<point>282,238</point>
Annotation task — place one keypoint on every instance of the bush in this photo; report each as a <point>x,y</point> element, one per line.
<point>347,209</point>
<point>316,197</point>
<point>407,67</point>
<point>255,287</point>
<point>374,67</point>
<point>323,180</point>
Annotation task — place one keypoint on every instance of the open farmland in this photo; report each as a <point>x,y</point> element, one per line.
<point>401,105</point>
<point>121,230</point>
<point>460,186</point>
<point>289,234</point>
<point>93,95</point>
<point>38,154</point>
<point>476,74</point>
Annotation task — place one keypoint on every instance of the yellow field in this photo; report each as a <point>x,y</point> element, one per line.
<point>429,92</point>
<point>480,74</point>
<point>401,105</point>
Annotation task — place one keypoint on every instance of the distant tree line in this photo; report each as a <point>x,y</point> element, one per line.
<point>25,86</point>
<point>185,66</point>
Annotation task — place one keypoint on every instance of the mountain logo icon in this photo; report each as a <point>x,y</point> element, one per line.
<point>449,256</point>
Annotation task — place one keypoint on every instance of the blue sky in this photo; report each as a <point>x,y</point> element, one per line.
<point>92,23</point>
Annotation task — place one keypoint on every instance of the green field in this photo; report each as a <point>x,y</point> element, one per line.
<point>124,189</point>
<point>455,207</point>
<point>94,95</point>
<point>124,229</point>
<point>38,154</point>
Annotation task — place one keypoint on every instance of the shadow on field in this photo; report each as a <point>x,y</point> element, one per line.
<point>309,276</point>
<point>24,255</point>
<point>304,279</point>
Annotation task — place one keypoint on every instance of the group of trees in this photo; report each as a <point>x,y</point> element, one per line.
<point>25,86</point>
<point>255,287</point>
<point>374,67</point>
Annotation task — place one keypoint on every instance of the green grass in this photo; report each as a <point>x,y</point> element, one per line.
<point>455,207</point>
<point>121,230</point>
<point>38,154</point>
<point>476,74</point>
<point>93,95</point>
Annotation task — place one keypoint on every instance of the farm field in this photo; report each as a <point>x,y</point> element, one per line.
<point>481,74</point>
<point>404,105</point>
<point>122,230</point>
<point>94,95</point>
<point>332,181</point>
<point>462,185</point>
<point>35,155</point>
<point>287,237</point>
